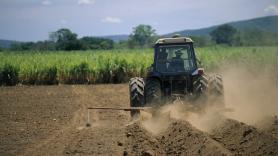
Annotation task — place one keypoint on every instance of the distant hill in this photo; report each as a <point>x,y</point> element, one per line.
<point>6,43</point>
<point>268,23</point>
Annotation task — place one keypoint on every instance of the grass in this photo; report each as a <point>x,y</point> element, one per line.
<point>262,58</point>
<point>114,66</point>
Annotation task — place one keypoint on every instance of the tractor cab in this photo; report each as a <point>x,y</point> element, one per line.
<point>174,56</point>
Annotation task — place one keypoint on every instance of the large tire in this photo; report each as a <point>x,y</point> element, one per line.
<point>200,86</point>
<point>216,91</point>
<point>136,91</point>
<point>200,92</point>
<point>153,92</point>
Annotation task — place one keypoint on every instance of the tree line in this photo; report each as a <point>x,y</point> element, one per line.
<point>65,39</point>
<point>143,36</point>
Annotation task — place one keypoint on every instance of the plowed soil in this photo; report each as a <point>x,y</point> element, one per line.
<point>51,120</point>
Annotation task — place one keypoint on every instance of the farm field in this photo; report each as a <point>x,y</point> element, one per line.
<point>51,120</point>
<point>116,66</point>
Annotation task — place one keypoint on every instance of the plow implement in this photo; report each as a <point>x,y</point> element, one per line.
<point>119,108</point>
<point>113,108</point>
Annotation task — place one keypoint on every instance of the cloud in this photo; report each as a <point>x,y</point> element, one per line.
<point>271,9</point>
<point>46,2</point>
<point>155,23</point>
<point>109,19</point>
<point>86,2</point>
<point>63,21</point>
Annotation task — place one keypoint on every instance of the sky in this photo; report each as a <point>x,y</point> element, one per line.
<point>33,20</point>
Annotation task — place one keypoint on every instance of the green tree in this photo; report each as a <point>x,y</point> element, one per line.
<point>44,45</point>
<point>96,43</point>
<point>121,44</point>
<point>65,39</point>
<point>142,35</point>
<point>224,34</point>
<point>22,46</point>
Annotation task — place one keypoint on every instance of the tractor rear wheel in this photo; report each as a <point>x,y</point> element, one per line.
<point>136,91</point>
<point>216,91</point>
<point>200,86</point>
<point>153,92</point>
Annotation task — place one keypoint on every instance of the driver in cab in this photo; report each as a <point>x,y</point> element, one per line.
<point>177,63</point>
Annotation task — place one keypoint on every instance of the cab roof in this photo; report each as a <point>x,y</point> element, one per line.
<point>174,40</point>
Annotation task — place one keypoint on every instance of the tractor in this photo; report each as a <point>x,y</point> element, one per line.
<point>174,73</point>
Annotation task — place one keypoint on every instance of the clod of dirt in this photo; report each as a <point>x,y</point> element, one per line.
<point>182,139</point>
<point>128,134</point>
<point>147,153</point>
<point>243,139</point>
<point>88,125</point>
<point>120,143</point>
<point>141,142</point>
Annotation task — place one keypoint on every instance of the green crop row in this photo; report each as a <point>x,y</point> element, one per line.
<point>113,66</point>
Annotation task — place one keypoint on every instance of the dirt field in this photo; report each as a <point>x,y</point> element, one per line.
<point>51,120</point>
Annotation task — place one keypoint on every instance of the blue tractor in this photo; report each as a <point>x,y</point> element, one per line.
<point>174,73</point>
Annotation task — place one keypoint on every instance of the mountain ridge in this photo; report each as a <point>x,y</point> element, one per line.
<point>266,23</point>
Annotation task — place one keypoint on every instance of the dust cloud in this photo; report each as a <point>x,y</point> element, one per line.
<point>156,123</point>
<point>204,120</point>
<point>250,97</point>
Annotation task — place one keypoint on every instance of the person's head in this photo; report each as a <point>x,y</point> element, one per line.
<point>178,53</point>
